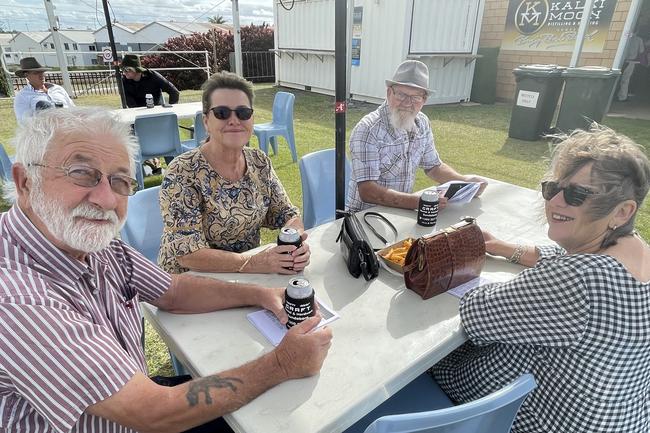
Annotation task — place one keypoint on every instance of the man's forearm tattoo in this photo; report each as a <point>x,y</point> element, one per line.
<point>203,386</point>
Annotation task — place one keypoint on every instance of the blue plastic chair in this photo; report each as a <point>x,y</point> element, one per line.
<point>144,225</point>
<point>158,136</point>
<point>198,133</point>
<point>318,177</point>
<point>282,125</point>
<point>5,165</point>
<point>142,230</point>
<point>422,407</point>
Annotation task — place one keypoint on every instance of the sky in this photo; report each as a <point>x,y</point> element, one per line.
<point>30,15</point>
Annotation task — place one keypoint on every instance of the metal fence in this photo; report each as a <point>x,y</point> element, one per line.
<point>101,82</point>
<point>259,66</point>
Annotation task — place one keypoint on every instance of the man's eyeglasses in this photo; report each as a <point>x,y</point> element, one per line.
<point>574,195</point>
<point>89,177</point>
<point>414,99</point>
<point>223,113</point>
<point>128,69</point>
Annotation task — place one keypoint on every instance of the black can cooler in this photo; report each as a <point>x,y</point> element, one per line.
<point>428,208</point>
<point>299,302</point>
<point>289,236</point>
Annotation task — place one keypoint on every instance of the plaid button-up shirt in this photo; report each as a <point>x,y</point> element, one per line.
<point>580,324</point>
<point>388,156</point>
<point>69,331</point>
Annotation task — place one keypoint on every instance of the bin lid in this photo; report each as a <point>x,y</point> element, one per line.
<point>537,70</point>
<point>591,72</point>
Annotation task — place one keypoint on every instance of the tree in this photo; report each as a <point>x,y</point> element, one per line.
<point>217,19</point>
<point>218,44</point>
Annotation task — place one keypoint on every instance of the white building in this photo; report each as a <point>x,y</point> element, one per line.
<point>443,34</point>
<point>142,37</point>
<point>158,32</point>
<point>124,35</point>
<point>78,46</point>
<point>24,43</point>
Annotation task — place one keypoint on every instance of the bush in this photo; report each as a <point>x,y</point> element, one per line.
<point>217,44</point>
<point>4,83</point>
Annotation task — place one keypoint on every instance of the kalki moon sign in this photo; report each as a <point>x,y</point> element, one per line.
<point>552,25</point>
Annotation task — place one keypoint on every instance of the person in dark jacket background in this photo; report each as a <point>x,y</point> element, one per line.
<point>139,81</point>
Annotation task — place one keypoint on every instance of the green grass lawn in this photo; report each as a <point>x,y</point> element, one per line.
<point>472,139</point>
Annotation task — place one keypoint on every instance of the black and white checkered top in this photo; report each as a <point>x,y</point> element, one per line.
<point>581,324</point>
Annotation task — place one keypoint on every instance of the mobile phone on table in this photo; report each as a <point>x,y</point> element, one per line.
<point>454,188</point>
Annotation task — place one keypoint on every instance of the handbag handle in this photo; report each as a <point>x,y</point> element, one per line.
<point>384,219</point>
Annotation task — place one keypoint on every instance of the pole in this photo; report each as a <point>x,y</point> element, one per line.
<point>235,22</point>
<point>116,63</point>
<point>56,38</point>
<point>340,105</point>
<point>582,30</point>
<point>348,56</point>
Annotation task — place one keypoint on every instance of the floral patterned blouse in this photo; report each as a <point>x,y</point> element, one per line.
<point>201,209</point>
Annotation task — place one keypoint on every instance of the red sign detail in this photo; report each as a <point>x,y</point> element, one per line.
<point>340,107</point>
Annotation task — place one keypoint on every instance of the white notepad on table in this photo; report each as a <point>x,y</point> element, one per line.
<point>274,331</point>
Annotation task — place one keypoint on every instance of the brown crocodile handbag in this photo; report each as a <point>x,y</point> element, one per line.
<point>446,259</point>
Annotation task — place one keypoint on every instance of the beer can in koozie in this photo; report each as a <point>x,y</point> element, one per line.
<point>289,236</point>
<point>428,208</point>
<point>299,301</point>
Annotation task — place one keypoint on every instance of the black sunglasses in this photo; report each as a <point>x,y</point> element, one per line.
<point>89,177</point>
<point>574,195</point>
<point>223,113</point>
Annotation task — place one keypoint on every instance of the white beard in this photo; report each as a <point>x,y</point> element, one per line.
<point>66,226</point>
<point>402,119</point>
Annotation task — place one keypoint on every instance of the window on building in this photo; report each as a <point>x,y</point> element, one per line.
<point>52,46</point>
<point>92,48</point>
<point>75,47</point>
<point>66,46</point>
<point>8,56</point>
<point>93,61</point>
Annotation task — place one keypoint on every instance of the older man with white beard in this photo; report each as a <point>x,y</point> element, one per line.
<point>389,144</point>
<point>71,359</point>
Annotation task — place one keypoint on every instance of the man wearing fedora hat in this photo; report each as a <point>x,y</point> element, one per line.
<point>37,94</point>
<point>389,144</point>
<point>138,82</point>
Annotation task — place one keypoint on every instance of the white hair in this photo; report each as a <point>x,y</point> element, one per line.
<point>36,134</point>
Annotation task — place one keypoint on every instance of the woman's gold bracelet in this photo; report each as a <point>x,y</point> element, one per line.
<point>516,255</point>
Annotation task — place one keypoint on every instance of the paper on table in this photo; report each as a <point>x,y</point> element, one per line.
<point>274,331</point>
<point>492,277</point>
<point>463,195</point>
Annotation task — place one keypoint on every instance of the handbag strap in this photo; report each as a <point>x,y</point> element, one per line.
<point>384,219</point>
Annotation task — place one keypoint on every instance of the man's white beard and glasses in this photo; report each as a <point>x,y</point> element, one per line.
<point>403,118</point>
<point>74,227</point>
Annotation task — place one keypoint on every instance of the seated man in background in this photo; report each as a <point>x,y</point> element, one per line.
<point>389,144</point>
<point>71,358</point>
<point>138,82</point>
<point>37,94</point>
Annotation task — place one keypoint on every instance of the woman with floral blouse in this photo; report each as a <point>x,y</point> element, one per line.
<point>216,198</point>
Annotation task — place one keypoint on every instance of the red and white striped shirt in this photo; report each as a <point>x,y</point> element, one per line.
<point>69,331</point>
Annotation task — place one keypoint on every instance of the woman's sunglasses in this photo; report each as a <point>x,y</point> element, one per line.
<point>574,195</point>
<point>223,113</point>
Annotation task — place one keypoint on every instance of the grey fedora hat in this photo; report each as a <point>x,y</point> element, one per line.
<point>29,64</point>
<point>412,73</point>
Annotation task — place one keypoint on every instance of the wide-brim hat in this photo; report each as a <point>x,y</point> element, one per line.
<point>132,61</point>
<point>29,64</point>
<point>412,73</point>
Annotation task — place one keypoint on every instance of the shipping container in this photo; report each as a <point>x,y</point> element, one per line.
<point>441,33</point>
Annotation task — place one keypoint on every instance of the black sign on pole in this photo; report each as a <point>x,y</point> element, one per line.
<point>340,104</point>
<point>111,39</point>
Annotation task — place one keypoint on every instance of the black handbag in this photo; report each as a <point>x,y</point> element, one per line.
<point>355,246</point>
